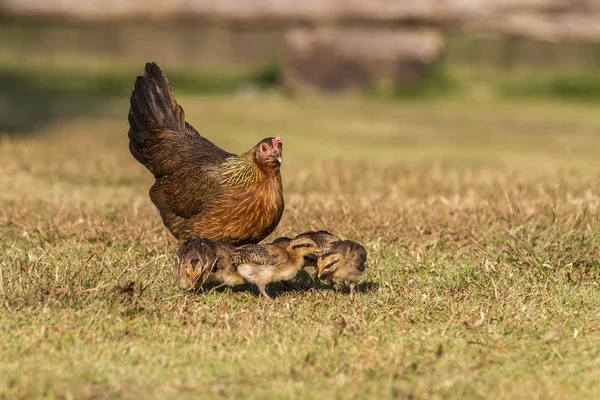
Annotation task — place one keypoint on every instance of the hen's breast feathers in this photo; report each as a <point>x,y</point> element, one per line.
<point>232,199</point>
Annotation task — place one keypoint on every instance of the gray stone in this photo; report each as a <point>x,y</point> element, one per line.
<point>338,60</point>
<point>313,11</point>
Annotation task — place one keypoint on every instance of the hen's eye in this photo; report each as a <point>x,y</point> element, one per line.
<point>263,147</point>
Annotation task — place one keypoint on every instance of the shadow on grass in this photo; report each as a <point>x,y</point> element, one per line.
<point>367,287</point>
<point>26,112</point>
<point>300,285</point>
<point>32,98</point>
<point>274,290</point>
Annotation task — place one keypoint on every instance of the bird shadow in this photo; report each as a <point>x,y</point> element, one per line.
<point>301,284</point>
<point>219,288</point>
<point>368,286</point>
<point>28,102</point>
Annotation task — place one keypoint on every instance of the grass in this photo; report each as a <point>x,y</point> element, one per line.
<point>480,218</point>
<point>109,79</point>
<point>112,77</point>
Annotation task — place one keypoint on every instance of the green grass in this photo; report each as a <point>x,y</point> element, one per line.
<point>580,84</point>
<point>446,79</point>
<point>480,218</point>
<point>110,80</point>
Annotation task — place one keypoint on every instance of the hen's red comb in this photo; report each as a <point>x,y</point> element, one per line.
<point>276,141</point>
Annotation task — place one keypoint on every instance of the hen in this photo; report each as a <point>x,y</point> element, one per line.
<point>200,189</point>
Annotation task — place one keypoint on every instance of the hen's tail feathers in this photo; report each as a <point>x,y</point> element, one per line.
<point>153,108</point>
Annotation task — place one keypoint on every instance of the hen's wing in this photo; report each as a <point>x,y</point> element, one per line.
<point>257,254</point>
<point>159,136</point>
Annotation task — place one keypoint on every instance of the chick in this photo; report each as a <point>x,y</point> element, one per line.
<point>324,241</point>
<point>195,258</point>
<point>201,261</point>
<point>264,264</point>
<point>344,263</point>
<point>223,270</point>
<point>281,242</point>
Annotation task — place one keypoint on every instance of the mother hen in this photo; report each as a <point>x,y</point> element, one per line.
<point>200,189</point>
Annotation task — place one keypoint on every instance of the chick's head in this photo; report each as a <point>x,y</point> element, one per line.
<point>195,259</point>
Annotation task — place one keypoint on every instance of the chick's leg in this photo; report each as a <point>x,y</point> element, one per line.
<point>352,289</point>
<point>311,271</point>
<point>263,290</point>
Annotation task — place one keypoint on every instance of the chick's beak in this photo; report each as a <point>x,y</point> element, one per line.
<point>194,276</point>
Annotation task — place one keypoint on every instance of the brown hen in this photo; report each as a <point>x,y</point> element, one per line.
<point>200,189</point>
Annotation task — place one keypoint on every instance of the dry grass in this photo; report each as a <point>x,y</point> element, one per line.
<point>481,221</point>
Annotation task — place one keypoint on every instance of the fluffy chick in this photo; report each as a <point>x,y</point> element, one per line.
<point>201,261</point>
<point>324,240</point>
<point>264,264</point>
<point>281,242</point>
<point>195,258</point>
<point>223,271</point>
<point>344,263</point>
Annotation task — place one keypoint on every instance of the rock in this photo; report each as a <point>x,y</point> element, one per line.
<point>546,19</point>
<point>549,20</point>
<point>542,27</point>
<point>310,11</point>
<point>347,59</point>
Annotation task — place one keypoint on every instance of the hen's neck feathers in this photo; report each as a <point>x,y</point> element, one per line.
<point>243,170</point>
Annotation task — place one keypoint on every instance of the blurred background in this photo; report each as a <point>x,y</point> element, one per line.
<point>65,58</point>
<point>458,140</point>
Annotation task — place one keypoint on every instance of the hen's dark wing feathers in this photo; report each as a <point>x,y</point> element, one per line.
<point>188,190</point>
<point>159,136</point>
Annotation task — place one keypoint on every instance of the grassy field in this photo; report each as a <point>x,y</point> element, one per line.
<point>481,219</point>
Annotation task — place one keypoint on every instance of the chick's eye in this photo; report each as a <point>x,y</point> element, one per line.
<point>331,264</point>
<point>301,245</point>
